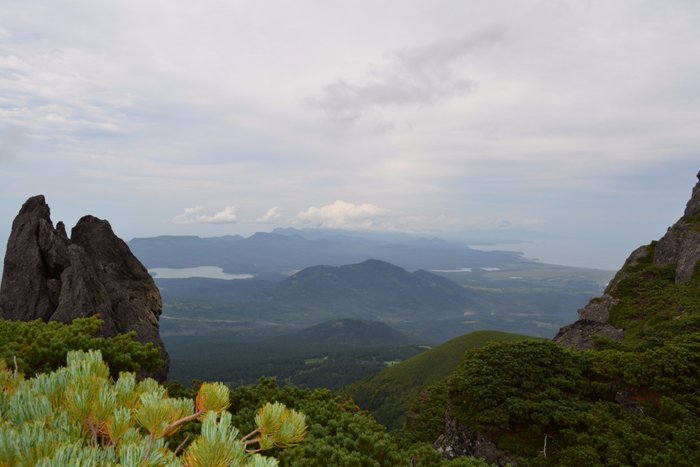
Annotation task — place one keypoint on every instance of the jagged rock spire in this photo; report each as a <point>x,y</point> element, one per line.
<point>51,277</point>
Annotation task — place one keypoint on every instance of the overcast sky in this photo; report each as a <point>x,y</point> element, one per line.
<point>576,119</point>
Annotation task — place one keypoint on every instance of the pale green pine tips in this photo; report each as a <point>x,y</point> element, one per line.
<point>77,415</point>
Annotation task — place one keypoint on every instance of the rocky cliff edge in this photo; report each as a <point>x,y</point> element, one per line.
<point>680,246</point>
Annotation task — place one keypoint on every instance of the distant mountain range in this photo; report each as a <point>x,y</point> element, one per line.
<point>428,288</point>
<point>278,254</point>
<point>371,290</point>
<point>425,306</point>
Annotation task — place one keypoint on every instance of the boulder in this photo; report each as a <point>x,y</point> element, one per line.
<point>592,322</point>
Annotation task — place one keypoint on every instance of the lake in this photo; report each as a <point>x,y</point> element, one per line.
<point>208,272</point>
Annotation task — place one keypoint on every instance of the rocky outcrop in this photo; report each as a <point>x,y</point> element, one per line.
<point>459,440</point>
<point>592,322</point>
<point>593,318</point>
<point>51,277</point>
<point>680,246</point>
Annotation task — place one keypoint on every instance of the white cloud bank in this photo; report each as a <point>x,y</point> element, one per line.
<point>344,215</point>
<point>271,215</point>
<point>193,216</point>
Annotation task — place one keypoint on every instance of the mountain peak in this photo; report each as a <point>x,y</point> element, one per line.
<point>376,264</point>
<point>36,204</point>
<point>693,207</point>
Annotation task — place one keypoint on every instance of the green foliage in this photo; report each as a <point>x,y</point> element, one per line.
<point>338,434</point>
<point>425,420</point>
<point>77,415</point>
<point>218,444</point>
<point>651,307</point>
<point>608,407</point>
<point>510,386</point>
<point>388,394</point>
<point>42,347</point>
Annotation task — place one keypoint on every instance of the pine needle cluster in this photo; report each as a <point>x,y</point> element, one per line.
<point>78,415</point>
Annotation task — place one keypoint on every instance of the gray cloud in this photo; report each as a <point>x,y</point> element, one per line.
<point>414,76</point>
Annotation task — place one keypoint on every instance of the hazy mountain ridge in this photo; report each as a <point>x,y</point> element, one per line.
<point>499,290</point>
<point>421,304</point>
<point>371,290</point>
<point>273,255</point>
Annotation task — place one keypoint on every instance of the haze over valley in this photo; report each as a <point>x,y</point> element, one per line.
<point>256,289</point>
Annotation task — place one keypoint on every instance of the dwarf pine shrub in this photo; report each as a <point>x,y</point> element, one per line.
<point>78,415</point>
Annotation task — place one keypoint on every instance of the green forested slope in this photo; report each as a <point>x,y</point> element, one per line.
<point>389,393</point>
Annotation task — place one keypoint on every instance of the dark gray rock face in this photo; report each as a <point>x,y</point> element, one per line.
<point>51,277</point>
<point>459,440</point>
<point>29,274</point>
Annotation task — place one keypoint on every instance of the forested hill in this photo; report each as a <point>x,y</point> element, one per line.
<point>372,284</point>
<point>389,393</point>
<point>350,332</point>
